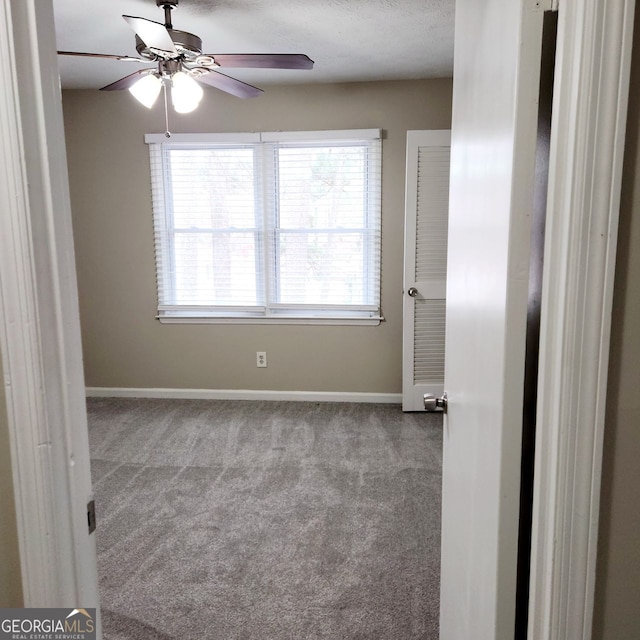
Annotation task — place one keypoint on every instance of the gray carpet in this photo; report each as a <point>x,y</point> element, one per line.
<point>227,520</point>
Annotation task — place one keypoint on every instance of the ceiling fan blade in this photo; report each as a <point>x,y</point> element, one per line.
<point>126,82</point>
<point>264,60</point>
<point>225,83</point>
<point>153,34</point>
<point>103,55</point>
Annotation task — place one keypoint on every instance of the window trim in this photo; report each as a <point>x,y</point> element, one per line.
<point>274,313</point>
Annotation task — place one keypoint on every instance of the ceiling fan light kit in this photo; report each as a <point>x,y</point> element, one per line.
<point>186,93</point>
<point>182,67</point>
<point>146,90</point>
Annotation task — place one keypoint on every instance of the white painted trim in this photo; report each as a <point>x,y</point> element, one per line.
<point>589,116</point>
<point>18,334</point>
<point>231,139</point>
<point>266,136</point>
<point>245,394</point>
<point>374,321</point>
<point>324,136</point>
<point>39,320</point>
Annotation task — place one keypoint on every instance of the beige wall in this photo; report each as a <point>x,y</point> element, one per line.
<point>124,346</point>
<point>10,580</point>
<point>617,615</point>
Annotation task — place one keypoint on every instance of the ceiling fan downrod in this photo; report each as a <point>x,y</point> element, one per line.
<point>167,5</point>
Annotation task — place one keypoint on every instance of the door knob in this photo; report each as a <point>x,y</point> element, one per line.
<point>432,404</point>
<point>413,292</point>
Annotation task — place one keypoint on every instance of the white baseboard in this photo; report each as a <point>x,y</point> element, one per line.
<point>244,394</point>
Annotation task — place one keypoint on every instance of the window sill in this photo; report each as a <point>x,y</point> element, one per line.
<point>343,321</point>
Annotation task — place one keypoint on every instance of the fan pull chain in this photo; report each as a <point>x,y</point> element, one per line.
<point>167,133</point>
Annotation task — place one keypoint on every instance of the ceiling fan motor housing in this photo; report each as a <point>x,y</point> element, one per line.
<point>188,44</point>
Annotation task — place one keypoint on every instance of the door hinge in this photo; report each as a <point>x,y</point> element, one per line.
<point>91,516</point>
<point>545,5</point>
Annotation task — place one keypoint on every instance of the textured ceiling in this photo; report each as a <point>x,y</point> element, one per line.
<point>349,40</point>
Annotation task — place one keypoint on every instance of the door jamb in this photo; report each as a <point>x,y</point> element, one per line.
<point>39,319</point>
<point>587,146</point>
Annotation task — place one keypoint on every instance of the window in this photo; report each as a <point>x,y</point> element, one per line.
<point>275,227</point>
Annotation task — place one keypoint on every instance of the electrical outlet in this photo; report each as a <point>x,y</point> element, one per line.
<point>261,358</point>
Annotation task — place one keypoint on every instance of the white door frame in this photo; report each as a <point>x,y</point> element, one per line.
<point>39,319</point>
<point>593,60</point>
<point>40,333</point>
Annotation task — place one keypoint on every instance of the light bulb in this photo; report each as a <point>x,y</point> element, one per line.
<point>146,90</point>
<point>186,93</point>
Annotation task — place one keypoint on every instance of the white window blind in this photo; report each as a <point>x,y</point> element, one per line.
<point>273,226</point>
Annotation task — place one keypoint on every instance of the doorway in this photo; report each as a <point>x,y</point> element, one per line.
<point>615,33</point>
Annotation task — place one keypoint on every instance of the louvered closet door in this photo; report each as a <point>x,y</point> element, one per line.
<point>425,266</point>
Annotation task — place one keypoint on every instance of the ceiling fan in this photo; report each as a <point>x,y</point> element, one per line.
<point>181,65</point>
